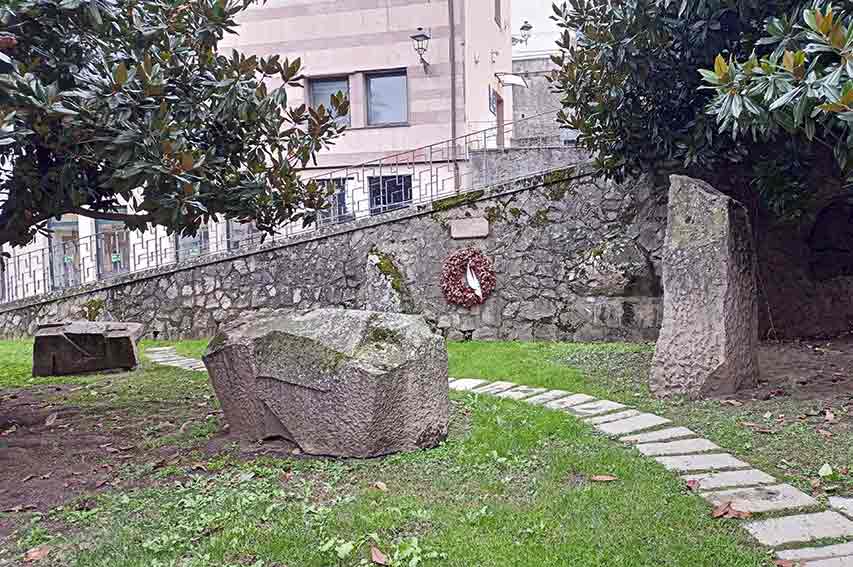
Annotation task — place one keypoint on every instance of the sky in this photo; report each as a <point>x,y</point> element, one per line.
<point>545,31</point>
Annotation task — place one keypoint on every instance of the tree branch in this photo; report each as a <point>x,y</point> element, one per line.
<point>103,215</point>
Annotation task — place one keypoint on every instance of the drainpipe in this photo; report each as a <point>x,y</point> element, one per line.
<point>453,133</point>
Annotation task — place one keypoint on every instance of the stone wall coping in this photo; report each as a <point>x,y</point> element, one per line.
<point>569,173</point>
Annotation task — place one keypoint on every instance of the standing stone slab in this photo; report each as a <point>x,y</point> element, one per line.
<point>762,499</point>
<point>656,436</point>
<point>677,447</point>
<point>520,393</point>
<point>689,463</point>
<point>799,529</point>
<point>730,479</point>
<point>82,347</point>
<point>335,382</point>
<point>632,424</point>
<point>709,336</point>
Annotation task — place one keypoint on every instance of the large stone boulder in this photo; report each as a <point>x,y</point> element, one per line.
<point>82,347</point>
<point>709,337</point>
<point>334,382</point>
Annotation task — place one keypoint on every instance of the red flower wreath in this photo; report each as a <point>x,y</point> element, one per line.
<point>455,278</point>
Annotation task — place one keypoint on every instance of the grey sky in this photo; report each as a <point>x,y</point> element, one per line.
<point>545,31</point>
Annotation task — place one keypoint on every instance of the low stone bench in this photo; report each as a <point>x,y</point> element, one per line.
<point>83,347</point>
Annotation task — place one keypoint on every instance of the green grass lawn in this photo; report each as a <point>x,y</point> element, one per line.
<point>781,436</point>
<point>511,487</point>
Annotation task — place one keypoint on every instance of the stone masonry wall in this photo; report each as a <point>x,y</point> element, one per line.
<point>576,259</point>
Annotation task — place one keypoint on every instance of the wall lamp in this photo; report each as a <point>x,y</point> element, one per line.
<point>526,33</point>
<point>420,42</point>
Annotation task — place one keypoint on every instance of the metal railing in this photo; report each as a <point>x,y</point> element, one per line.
<point>408,179</point>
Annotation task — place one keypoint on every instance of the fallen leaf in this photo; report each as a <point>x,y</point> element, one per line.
<point>380,486</point>
<point>604,478</point>
<point>37,553</point>
<point>815,483</point>
<point>51,419</point>
<point>785,563</point>
<point>727,510</point>
<point>377,556</point>
<point>825,433</point>
<point>829,417</point>
<point>102,483</point>
<point>825,471</point>
<point>28,477</point>
<point>693,485</point>
<point>734,403</point>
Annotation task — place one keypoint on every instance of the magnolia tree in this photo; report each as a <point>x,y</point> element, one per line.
<point>637,85</point>
<point>804,87</point>
<point>105,103</point>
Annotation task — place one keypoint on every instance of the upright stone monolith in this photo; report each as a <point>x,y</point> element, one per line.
<point>709,337</point>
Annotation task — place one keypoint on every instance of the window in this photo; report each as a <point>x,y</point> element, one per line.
<point>113,245</point>
<point>65,253</point>
<point>321,91</point>
<point>337,211</point>
<point>387,99</point>
<point>192,246</point>
<point>242,234</point>
<point>498,15</point>
<point>389,193</point>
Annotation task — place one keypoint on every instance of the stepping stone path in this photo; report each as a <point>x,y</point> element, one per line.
<point>795,517</point>
<point>718,477</point>
<point>167,356</point>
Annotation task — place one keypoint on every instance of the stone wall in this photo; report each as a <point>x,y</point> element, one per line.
<point>576,259</point>
<point>536,99</point>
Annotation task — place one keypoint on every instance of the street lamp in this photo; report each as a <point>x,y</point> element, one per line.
<point>420,42</point>
<point>526,32</point>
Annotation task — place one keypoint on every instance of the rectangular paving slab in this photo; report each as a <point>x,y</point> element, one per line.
<point>632,424</point>
<point>494,388</point>
<point>520,393</point>
<point>812,553</point>
<point>596,408</point>
<point>682,447</point>
<point>668,434</point>
<point>730,479</point>
<point>801,528</point>
<point>843,505</point>
<point>834,562</point>
<point>762,499</point>
<point>466,384</point>
<point>612,417</point>
<point>573,400</point>
<point>548,396</point>
<point>688,463</point>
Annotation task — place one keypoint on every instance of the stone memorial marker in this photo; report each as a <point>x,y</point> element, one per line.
<point>82,347</point>
<point>709,338</point>
<point>334,382</point>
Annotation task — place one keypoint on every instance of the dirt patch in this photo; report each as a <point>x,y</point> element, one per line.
<point>52,451</point>
<point>806,370</point>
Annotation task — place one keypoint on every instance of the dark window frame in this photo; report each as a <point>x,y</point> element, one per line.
<point>339,210</point>
<point>378,75</point>
<point>499,14</point>
<point>312,81</point>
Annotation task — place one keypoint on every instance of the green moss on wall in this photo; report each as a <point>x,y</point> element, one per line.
<point>457,201</point>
